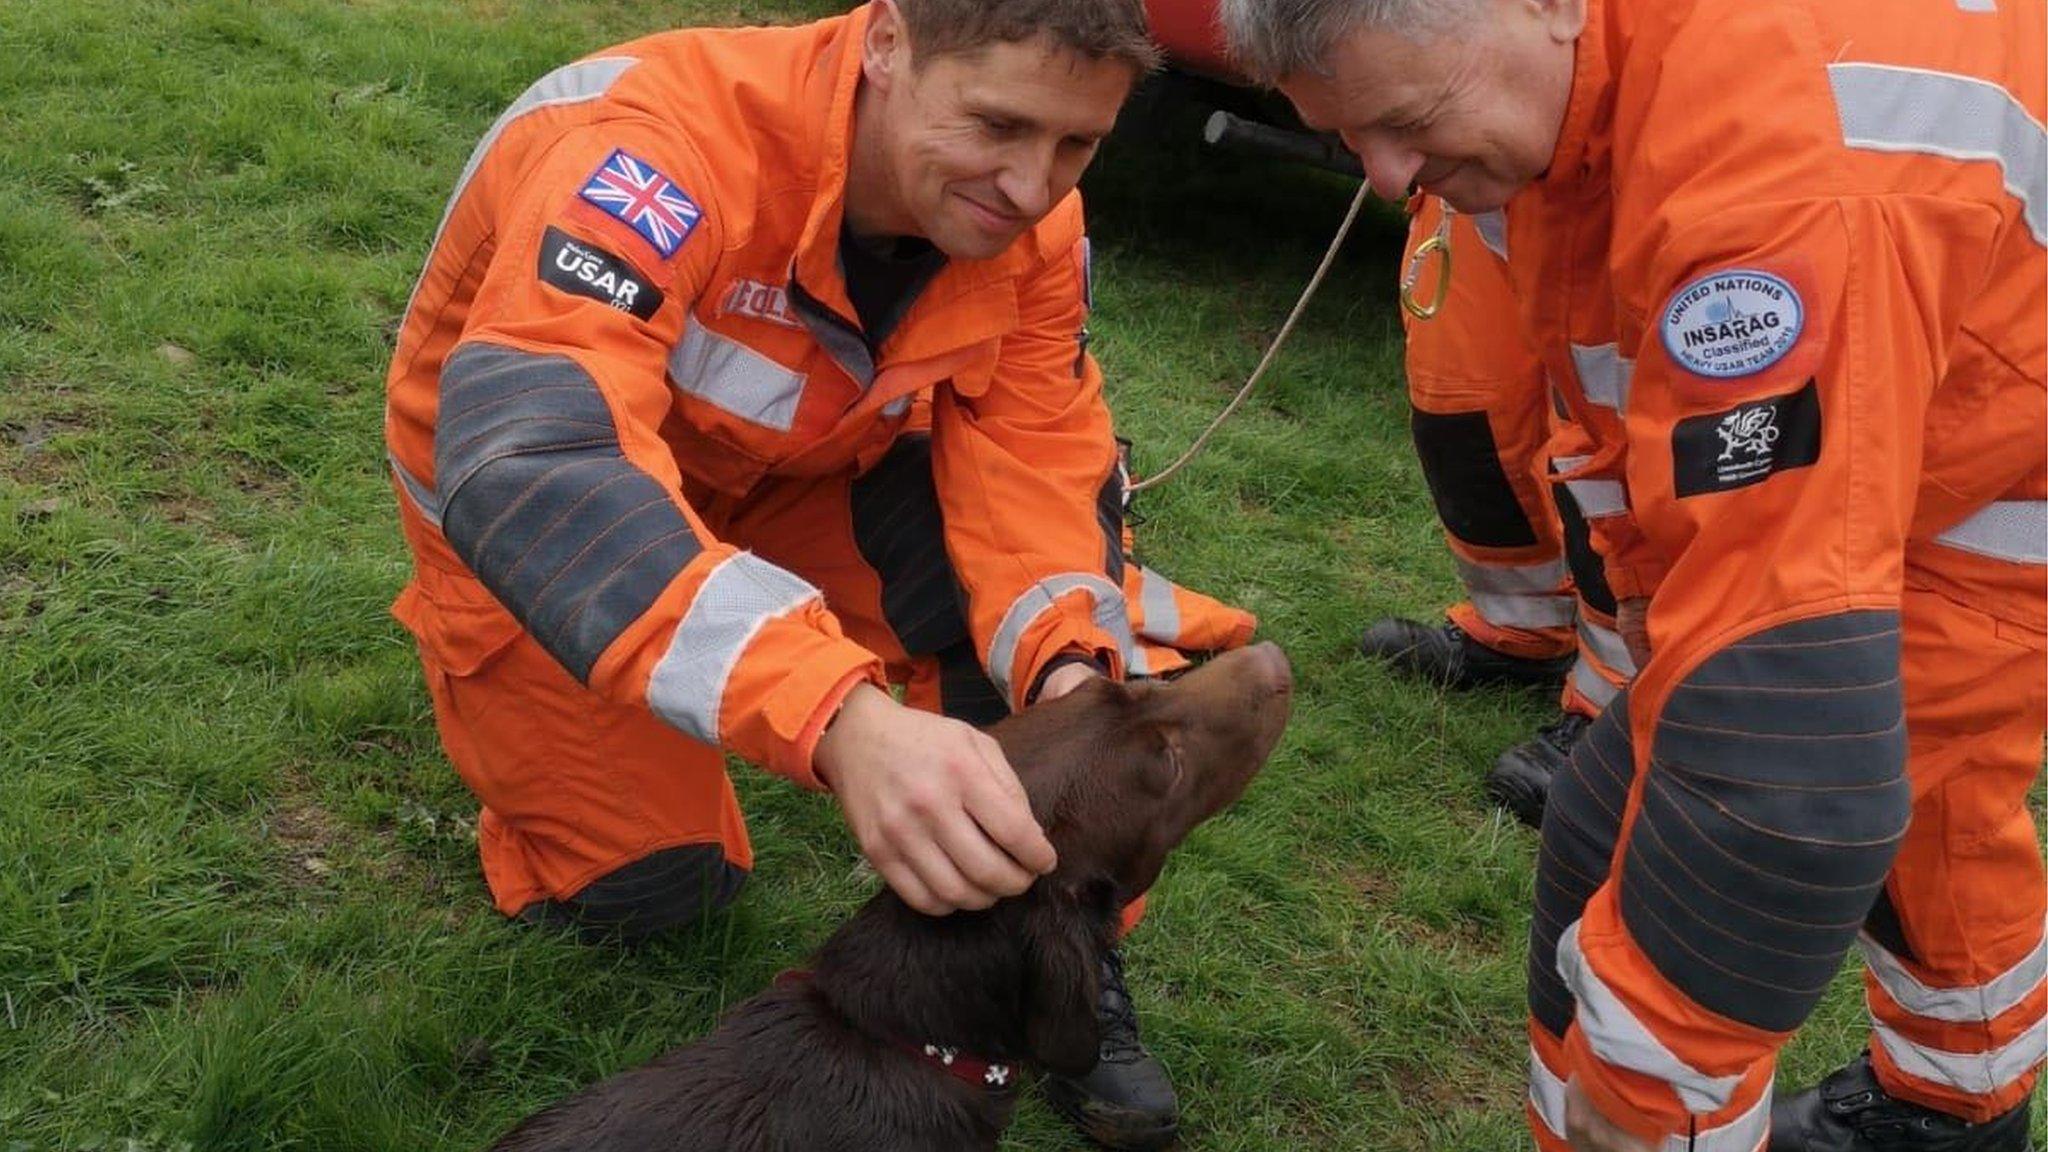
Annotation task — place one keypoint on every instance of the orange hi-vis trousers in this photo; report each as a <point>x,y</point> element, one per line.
<point>1484,430</point>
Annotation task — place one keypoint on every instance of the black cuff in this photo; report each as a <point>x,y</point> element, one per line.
<point>1055,664</point>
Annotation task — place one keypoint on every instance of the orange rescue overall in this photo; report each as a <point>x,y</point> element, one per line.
<point>1786,267</point>
<point>638,436</point>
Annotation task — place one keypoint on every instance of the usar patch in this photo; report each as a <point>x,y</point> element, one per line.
<point>1732,324</point>
<point>1746,444</point>
<point>582,269</point>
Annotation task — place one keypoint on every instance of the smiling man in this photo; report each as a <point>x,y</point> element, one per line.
<point>1782,263</point>
<point>747,376</point>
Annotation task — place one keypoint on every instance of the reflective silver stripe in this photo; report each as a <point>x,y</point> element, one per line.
<point>1890,109</point>
<point>1110,615</point>
<point>570,84</point>
<point>1493,231</point>
<point>1977,1073</point>
<point>1522,596</point>
<point>1525,611</point>
<point>1977,5</point>
<point>1608,646</point>
<point>421,494</point>
<point>1973,1004</point>
<point>1745,1133</point>
<point>1546,1094</point>
<point>1598,499</point>
<point>1603,374</point>
<point>740,597</point>
<point>1161,610</point>
<point>2015,530</point>
<point>1617,1037</point>
<point>727,374</point>
<point>1595,498</point>
<point>1514,579</point>
<point>1592,685</point>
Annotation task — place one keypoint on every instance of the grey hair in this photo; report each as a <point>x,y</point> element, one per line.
<point>1274,38</point>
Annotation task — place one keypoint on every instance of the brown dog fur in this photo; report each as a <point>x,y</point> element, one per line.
<point>1118,775</point>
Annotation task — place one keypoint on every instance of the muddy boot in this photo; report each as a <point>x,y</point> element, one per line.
<point>1521,777</point>
<point>1850,1111</point>
<point>1126,1102</point>
<point>1445,654</point>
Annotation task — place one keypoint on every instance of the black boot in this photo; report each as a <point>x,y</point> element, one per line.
<point>1851,1112</point>
<point>1127,1102</point>
<point>1445,654</point>
<point>1521,777</point>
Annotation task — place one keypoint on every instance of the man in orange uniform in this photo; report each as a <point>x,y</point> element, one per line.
<point>1784,262</point>
<point>748,375</point>
<point>1537,605</point>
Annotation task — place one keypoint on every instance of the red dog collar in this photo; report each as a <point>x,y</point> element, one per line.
<point>964,1068</point>
<point>960,1066</point>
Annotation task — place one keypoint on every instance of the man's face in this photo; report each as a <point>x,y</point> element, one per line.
<point>976,147</point>
<point>1470,114</point>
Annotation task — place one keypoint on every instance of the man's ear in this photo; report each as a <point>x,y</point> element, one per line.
<point>885,49</point>
<point>1563,19</point>
<point>1068,933</point>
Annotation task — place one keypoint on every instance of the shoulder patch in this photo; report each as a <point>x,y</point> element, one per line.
<point>632,190</point>
<point>1746,444</point>
<point>583,269</point>
<point>1732,323</point>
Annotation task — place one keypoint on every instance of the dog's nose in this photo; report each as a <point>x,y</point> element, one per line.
<point>1270,665</point>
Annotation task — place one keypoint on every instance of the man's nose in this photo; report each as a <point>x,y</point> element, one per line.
<point>1389,167</point>
<point>1026,181</point>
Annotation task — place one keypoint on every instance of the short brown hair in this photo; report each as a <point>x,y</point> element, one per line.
<point>1097,29</point>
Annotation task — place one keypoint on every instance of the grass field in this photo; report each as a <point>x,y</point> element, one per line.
<point>239,902</point>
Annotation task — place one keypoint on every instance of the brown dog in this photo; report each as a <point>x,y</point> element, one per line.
<point>904,1034</point>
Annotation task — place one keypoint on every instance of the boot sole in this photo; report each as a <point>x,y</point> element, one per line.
<point>1515,787</point>
<point>1111,1128</point>
<point>1406,663</point>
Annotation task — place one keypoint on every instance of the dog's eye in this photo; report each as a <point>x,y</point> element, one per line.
<point>1162,773</point>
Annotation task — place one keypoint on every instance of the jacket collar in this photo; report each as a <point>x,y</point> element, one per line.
<point>835,86</point>
<point>1581,150</point>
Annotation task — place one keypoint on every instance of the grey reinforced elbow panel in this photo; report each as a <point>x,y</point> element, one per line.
<point>542,504</point>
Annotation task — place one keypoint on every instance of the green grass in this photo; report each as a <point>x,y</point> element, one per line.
<point>239,904</point>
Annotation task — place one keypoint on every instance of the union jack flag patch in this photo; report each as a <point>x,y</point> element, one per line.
<point>651,204</point>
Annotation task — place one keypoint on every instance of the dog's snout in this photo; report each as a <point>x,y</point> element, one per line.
<point>1270,665</point>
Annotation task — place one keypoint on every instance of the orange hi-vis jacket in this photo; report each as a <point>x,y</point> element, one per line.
<point>634,312</point>
<point>1786,269</point>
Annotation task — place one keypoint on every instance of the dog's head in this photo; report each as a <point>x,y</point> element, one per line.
<point>1119,774</point>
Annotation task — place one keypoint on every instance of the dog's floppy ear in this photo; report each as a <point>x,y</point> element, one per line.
<point>1067,936</point>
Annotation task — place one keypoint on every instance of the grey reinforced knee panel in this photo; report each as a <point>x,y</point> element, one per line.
<point>1773,807</point>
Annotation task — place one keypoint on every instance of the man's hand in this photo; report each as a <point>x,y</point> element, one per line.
<point>934,805</point>
<point>1589,1131</point>
<point>1065,679</point>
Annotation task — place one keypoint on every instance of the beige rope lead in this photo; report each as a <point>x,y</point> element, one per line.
<point>1301,305</point>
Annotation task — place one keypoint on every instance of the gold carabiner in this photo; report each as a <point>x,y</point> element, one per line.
<point>1437,245</point>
